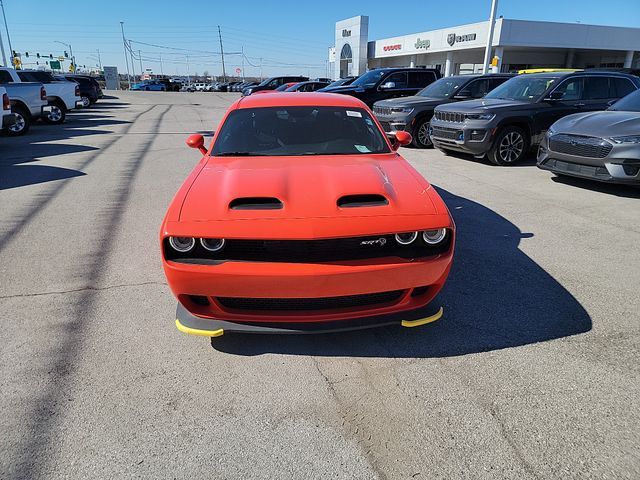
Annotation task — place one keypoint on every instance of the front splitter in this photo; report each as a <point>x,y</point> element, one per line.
<point>208,327</point>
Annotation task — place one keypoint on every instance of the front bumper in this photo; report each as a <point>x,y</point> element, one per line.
<point>8,120</point>
<point>186,322</point>
<point>461,137</point>
<point>621,165</point>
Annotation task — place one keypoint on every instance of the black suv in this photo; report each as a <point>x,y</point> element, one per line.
<point>383,83</point>
<point>413,114</point>
<point>514,116</point>
<point>90,90</point>
<point>273,83</point>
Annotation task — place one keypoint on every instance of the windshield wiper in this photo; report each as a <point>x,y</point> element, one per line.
<point>240,154</point>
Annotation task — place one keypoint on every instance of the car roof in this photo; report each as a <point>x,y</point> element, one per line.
<point>575,74</point>
<point>302,99</point>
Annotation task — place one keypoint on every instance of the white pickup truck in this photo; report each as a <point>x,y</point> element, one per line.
<point>62,96</point>
<point>28,102</point>
<point>7,118</point>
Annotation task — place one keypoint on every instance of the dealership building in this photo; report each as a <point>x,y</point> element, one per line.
<point>517,44</point>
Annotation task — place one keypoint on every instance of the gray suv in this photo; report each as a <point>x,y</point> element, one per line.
<point>514,116</point>
<point>603,146</point>
<point>413,114</point>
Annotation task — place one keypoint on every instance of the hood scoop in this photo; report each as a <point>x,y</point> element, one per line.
<point>255,203</point>
<point>362,200</point>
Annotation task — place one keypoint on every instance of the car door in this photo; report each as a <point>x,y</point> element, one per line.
<point>566,98</point>
<point>597,93</point>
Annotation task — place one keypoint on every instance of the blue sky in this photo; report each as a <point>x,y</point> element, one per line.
<point>290,37</point>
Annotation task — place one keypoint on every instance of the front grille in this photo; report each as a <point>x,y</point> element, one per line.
<point>381,110</point>
<point>449,116</point>
<point>309,304</point>
<point>446,133</point>
<point>386,126</point>
<point>308,251</point>
<point>581,146</point>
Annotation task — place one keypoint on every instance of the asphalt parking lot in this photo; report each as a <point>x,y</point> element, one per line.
<point>533,372</point>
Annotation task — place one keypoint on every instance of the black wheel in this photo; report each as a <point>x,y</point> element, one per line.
<point>421,138</point>
<point>22,123</point>
<point>56,115</point>
<point>510,146</point>
<point>85,101</point>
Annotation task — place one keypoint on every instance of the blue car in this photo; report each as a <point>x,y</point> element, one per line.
<point>148,85</point>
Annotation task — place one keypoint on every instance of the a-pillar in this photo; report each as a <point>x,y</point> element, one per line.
<point>448,64</point>
<point>628,60</point>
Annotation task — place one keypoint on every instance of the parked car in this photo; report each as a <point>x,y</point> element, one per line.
<point>281,88</point>
<point>200,86</point>
<point>349,234</point>
<point>413,114</point>
<point>273,83</point>
<point>150,85</point>
<point>90,90</point>
<point>310,86</point>
<point>28,101</point>
<point>188,87</point>
<point>341,82</point>
<point>514,116</point>
<point>7,118</point>
<point>170,85</point>
<point>383,83</point>
<point>62,96</point>
<point>602,146</point>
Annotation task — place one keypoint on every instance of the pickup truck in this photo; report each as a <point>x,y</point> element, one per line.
<point>61,95</point>
<point>28,102</point>
<point>6,117</point>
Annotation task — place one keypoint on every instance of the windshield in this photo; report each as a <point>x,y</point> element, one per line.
<point>42,77</point>
<point>369,79</point>
<point>630,103</point>
<point>523,88</point>
<point>276,131</point>
<point>442,88</point>
<point>342,81</point>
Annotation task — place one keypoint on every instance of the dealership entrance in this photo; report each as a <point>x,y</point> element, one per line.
<point>346,61</point>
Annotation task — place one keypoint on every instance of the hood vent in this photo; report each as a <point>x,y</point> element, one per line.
<point>255,203</point>
<point>364,200</point>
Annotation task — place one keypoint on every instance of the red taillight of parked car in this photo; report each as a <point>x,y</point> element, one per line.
<point>77,90</point>
<point>43,93</point>
<point>6,104</point>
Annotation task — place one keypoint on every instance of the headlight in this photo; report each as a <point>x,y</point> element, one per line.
<point>406,238</point>
<point>401,110</point>
<point>434,237</point>
<point>480,116</point>
<point>212,244</point>
<point>182,244</point>
<point>551,131</point>
<point>627,139</point>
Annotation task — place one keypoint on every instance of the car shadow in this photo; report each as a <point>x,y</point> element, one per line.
<point>529,159</point>
<point>625,191</point>
<point>496,297</point>
<point>22,175</point>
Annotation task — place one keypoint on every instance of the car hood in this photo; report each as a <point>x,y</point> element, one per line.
<point>488,104</point>
<point>308,187</point>
<point>413,101</point>
<point>600,124</point>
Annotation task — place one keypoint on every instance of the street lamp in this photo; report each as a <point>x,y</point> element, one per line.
<point>73,59</point>
<point>8,39</point>
<point>492,21</point>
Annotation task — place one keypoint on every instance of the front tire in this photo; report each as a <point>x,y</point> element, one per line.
<point>57,114</point>
<point>510,147</point>
<point>421,139</point>
<point>22,123</point>
<point>86,102</point>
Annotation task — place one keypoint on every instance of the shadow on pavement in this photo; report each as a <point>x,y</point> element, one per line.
<point>625,191</point>
<point>496,297</point>
<point>528,161</point>
<point>21,175</point>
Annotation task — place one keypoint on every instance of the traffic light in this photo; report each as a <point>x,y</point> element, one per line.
<point>51,56</point>
<point>37,55</point>
<point>66,55</point>
<point>26,54</point>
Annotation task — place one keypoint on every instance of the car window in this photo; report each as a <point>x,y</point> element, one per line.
<point>477,88</point>
<point>5,77</point>
<point>399,78</point>
<point>522,87</point>
<point>570,89</point>
<point>278,131</point>
<point>621,87</point>
<point>494,82</point>
<point>596,88</point>
<point>420,79</point>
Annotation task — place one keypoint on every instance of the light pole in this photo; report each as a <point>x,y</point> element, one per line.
<point>73,59</point>
<point>4,57</point>
<point>492,22</point>
<point>6,27</point>
<point>124,45</point>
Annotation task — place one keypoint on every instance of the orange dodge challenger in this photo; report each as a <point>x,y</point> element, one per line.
<point>302,217</point>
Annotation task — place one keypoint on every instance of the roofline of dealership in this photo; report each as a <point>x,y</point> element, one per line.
<point>571,41</point>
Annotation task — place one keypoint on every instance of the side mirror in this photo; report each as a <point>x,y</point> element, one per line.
<point>554,96</point>
<point>463,95</point>
<point>400,139</point>
<point>388,86</point>
<point>197,141</point>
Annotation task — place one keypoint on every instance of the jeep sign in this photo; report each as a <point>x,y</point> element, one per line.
<point>422,44</point>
